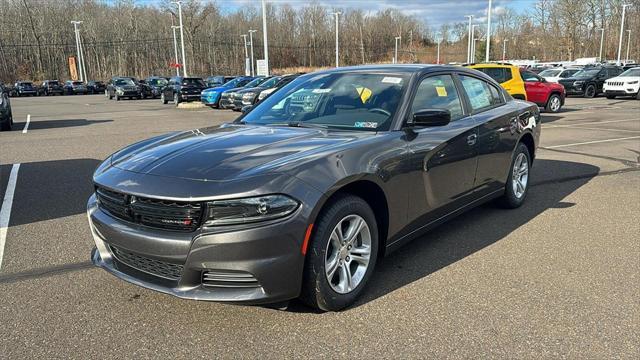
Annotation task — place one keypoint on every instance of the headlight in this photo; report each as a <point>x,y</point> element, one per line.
<point>248,210</point>
<point>632,82</point>
<point>1,98</point>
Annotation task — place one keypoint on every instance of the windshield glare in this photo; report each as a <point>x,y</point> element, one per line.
<point>550,73</point>
<point>631,72</point>
<point>255,82</point>
<point>350,101</point>
<point>232,83</point>
<point>123,82</point>
<point>158,82</point>
<point>586,73</point>
<point>192,82</point>
<point>271,82</point>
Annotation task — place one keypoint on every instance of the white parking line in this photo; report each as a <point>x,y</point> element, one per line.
<point>26,126</point>
<point>586,123</point>
<point>590,142</point>
<point>5,210</point>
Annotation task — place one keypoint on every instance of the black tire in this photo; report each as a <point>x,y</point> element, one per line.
<point>590,91</point>
<point>554,104</point>
<point>611,97</point>
<point>638,96</point>
<point>117,97</point>
<point>176,99</point>
<point>163,99</point>
<point>510,200</point>
<point>316,290</point>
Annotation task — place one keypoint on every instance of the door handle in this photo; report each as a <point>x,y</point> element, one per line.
<point>471,139</point>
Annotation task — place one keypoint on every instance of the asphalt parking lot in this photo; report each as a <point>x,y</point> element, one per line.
<point>559,277</point>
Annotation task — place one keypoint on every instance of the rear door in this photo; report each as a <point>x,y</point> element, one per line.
<point>443,159</point>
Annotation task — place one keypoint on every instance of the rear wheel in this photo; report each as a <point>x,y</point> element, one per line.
<point>341,255</point>
<point>590,91</point>
<point>518,182</point>
<point>554,104</point>
<point>7,126</point>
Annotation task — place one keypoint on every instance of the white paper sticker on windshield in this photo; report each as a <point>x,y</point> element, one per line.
<point>365,124</point>
<point>391,80</point>
<point>321,91</point>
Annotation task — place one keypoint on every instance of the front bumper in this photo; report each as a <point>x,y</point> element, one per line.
<point>270,254</point>
<point>210,99</point>
<point>621,91</point>
<point>189,97</point>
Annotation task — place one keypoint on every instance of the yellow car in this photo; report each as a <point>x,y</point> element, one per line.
<point>507,75</point>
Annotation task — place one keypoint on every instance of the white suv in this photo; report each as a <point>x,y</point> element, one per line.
<point>625,84</point>
<point>555,74</point>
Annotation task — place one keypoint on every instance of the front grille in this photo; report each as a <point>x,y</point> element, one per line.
<point>150,266</point>
<point>229,279</point>
<point>615,83</point>
<point>155,213</point>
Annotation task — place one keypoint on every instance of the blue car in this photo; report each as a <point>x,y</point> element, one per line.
<point>211,97</point>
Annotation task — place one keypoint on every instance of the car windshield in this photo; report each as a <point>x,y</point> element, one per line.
<point>352,101</point>
<point>232,83</point>
<point>123,82</point>
<point>193,82</point>
<point>550,73</point>
<point>271,82</point>
<point>158,82</point>
<point>26,84</point>
<point>53,83</point>
<point>586,73</point>
<point>255,82</point>
<point>631,72</point>
<point>77,83</point>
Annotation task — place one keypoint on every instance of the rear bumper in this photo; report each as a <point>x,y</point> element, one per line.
<point>269,254</point>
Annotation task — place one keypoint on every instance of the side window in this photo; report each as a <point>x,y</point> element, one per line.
<point>497,74</point>
<point>529,76</point>
<point>438,92</point>
<point>481,94</point>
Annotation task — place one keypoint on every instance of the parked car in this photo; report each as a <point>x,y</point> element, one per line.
<point>249,95</point>
<point>625,84</point>
<point>182,89</point>
<point>25,88</point>
<point>215,81</point>
<point>72,87</point>
<point>547,95</point>
<point>121,87</point>
<point>228,97</point>
<point>284,80</point>
<point>211,97</point>
<point>50,87</point>
<point>507,75</point>
<point>555,74</point>
<point>153,86</point>
<point>96,87</point>
<point>589,81</point>
<point>6,117</point>
<point>300,202</point>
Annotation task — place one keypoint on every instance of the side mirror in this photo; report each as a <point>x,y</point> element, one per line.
<point>246,109</point>
<point>430,117</point>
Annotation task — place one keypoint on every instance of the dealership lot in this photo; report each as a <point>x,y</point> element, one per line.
<point>557,277</point>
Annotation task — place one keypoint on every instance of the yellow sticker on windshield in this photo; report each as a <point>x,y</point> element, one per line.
<point>365,93</point>
<point>442,92</point>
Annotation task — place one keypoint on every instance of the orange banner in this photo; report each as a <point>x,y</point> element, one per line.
<point>73,69</point>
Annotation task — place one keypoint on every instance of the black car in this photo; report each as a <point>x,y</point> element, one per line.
<point>121,87</point>
<point>72,87</point>
<point>182,89</point>
<point>228,97</point>
<point>284,80</point>
<point>589,81</point>
<point>25,88</point>
<point>301,195</point>
<point>6,117</point>
<point>249,95</point>
<point>50,87</point>
<point>95,87</point>
<point>152,86</point>
<point>215,81</point>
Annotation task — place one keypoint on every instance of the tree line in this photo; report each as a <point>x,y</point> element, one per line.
<point>135,39</point>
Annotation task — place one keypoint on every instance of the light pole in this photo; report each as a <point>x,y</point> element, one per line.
<point>264,36</point>
<point>504,49</point>
<point>628,43</point>
<point>438,52</point>
<point>184,60</point>
<point>601,43</point>
<point>253,69</point>
<point>624,9</point>
<point>78,51</point>
<point>337,14</point>
<point>474,50</point>
<point>246,52</point>
<point>175,48</point>
<point>473,43</point>
<point>488,32</point>
<point>395,58</point>
<point>469,39</point>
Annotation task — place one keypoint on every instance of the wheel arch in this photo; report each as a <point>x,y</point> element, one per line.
<point>528,140</point>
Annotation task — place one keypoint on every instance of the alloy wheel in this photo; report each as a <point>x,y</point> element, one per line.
<point>555,103</point>
<point>520,175</point>
<point>348,253</point>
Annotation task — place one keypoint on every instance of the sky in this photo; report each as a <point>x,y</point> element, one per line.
<point>434,12</point>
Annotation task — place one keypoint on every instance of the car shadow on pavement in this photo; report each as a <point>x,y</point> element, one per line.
<point>55,124</point>
<point>52,189</point>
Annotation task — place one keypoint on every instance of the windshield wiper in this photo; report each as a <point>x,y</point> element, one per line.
<point>303,124</point>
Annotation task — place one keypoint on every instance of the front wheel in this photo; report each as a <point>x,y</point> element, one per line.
<point>176,99</point>
<point>518,181</point>
<point>163,99</point>
<point>638,96</point>
<point>590,91</point>
<point>554,104</point>
<point>341,255</point>
<point>117,97</point>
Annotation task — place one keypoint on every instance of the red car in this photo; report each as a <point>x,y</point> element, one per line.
<point>547,95</point>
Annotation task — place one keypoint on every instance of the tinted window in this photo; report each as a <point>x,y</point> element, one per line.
<point>438,92</point>
<point>631,72</point>
<point>500,75</point>
<point>529,76</point>
<point>480,93</point>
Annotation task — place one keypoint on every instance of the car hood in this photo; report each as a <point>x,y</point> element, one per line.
<point>256,89</point>
<point>216,89</point>
<point>625,78</point>
<point>230,151</point>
